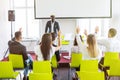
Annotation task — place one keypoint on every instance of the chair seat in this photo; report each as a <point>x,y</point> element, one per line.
<point>40,76</point>
<point>15,74</point>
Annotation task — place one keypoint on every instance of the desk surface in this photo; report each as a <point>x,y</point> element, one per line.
<point>63,59</point>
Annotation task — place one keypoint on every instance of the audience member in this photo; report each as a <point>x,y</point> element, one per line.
<point>15,47</point>
<point>111,43</point>
<point>91,51</point>
<point>75,47</point>
<point>46,50</point>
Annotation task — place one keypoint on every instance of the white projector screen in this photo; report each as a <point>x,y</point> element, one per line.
<point>67,9</point>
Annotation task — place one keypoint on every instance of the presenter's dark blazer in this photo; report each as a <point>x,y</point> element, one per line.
<point>48,27</point>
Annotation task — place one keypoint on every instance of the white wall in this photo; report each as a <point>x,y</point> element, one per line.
<point>115,21</point>
<point>4,26</point>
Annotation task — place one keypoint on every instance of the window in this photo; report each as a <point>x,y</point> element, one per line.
<point>24,14</point>
<point>90,24</point>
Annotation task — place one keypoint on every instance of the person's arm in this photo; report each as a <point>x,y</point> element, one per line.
<point>80,44</point>
<point>46,28</point>
<point>103,42</point>
<point>58,26</point>
<point>59,42</point>
<point>24,53</point>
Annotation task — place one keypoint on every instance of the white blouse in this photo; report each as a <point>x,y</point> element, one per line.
<point>39,53</point>
<point>75,49</point>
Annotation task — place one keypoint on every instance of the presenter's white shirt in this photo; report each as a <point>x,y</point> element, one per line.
<point>52,26</point>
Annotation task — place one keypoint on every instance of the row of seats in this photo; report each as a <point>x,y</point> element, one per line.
<point>41,69</point>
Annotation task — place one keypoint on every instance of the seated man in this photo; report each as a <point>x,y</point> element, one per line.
<point>15,47</point>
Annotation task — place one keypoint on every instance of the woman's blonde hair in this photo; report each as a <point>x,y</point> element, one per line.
<point>92,46</point>
<point>112,32</point>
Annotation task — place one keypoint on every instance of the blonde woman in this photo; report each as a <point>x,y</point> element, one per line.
<point>91,50</point>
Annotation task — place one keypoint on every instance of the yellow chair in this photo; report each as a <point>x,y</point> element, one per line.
<point>39,76</point>
<point>17,61</point>
<point>65,42</point>
<point>114,68</point>
<point>92,76</point>
<point>6,71</point>
<point>109,56</point>
<point>54,62</point>
<point>42,67</point>
<point>88,66</point>
<point>76,60</point>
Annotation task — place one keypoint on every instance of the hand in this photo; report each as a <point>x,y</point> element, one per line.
<point>96,29</point>
<point>85,32</point>
<point>77,30</point>
<point>20,29</point>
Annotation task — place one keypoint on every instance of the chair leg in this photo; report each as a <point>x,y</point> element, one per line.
<point>20,76</point>
<point>108,78</point>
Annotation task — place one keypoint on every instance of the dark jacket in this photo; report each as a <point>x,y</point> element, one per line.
<point>48,27</point>
<point>17,48</point>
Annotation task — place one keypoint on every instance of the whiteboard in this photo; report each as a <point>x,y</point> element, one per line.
<point>73,9</point>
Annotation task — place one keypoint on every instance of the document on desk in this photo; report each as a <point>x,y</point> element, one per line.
<point>67,57</point>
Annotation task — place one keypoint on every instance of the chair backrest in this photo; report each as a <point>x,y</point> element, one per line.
<point>92,76</point>
<point>114,68</point>
<point>109,56</point>
<point>89,65</point>
<point>40,76</point>
<point>42,67</point>
<point>17,60</point>
<point>76,59</point>
<point>6,69</point>
<point>54,61</point>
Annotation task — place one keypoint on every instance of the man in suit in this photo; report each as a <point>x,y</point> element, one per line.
<point>52,25</point>
<point>15,47</point>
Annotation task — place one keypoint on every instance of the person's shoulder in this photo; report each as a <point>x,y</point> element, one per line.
<point>22,46</point>
<point>56,22</point>
<point>49,21</point>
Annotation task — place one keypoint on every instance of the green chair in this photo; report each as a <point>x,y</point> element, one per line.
<point>76,60</point>
<point>17,61</point>
<point>42,67</point>
<point>92,76</point>
<point>114,69</point>
<point>65,42</point>
<point>88,66</point>
<point>109,56</point>
<point>6,71</point>
<point>54,62</point>
<point>40,76</point>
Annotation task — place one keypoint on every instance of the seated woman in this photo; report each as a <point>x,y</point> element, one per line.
<point>46,50</point>
<point>91,51</point>
<point>75,47</point>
